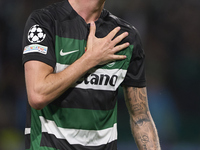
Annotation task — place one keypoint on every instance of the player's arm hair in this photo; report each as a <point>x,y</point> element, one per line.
<point>142,124</point>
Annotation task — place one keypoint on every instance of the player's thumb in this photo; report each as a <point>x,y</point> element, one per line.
<point>92,29</point>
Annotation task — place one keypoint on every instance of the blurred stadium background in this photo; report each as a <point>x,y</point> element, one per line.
<point>171,37</point>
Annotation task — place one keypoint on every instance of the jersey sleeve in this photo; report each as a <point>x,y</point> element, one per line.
<point>135,76</point>
<point>38,39</point>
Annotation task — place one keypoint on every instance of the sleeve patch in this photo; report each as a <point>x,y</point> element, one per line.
<point>35,48</point>
<point>36,34</point>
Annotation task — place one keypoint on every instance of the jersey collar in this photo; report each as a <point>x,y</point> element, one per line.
<point>69,10</point>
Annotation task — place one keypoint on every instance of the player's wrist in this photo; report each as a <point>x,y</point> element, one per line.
<point>89,61</point>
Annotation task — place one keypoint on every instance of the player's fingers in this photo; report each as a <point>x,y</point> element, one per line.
<point>112,34</point>
<point>119,38</point>
<point>92,29</point>
<point>120,47</point>
<point>118,57</point>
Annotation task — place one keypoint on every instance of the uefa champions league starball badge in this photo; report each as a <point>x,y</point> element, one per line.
<point>36,34</point>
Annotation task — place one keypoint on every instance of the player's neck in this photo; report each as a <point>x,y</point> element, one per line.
<point>89,10</point>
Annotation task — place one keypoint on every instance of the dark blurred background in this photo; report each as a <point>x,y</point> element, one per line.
<point>171,37</point>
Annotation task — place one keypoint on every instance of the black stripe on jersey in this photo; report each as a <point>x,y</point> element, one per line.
<point>28,125</point>
<point>27,141</point>
<point>97,100</point>
<point>52,141</point>
<point>28,116</point>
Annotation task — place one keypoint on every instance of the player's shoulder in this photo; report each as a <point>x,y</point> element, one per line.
<point>52,12</point>
<point>125,27</point>
<point>122,23</point>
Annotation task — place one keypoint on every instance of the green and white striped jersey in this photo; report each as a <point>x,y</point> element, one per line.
<point>85,116</point>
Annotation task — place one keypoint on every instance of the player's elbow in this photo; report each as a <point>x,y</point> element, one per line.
<point>37,101</point>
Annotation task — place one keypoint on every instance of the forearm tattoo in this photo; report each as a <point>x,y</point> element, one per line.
<point>142,124</point>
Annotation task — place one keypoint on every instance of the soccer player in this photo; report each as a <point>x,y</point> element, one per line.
<point>76,55</point>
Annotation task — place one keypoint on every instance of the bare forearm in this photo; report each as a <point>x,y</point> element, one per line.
<point>145,132</point>
<point>43,89</point>
<point>142,124</point>
<point>57,83</point>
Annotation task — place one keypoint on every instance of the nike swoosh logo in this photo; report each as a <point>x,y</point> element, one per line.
<point>67,53</point>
